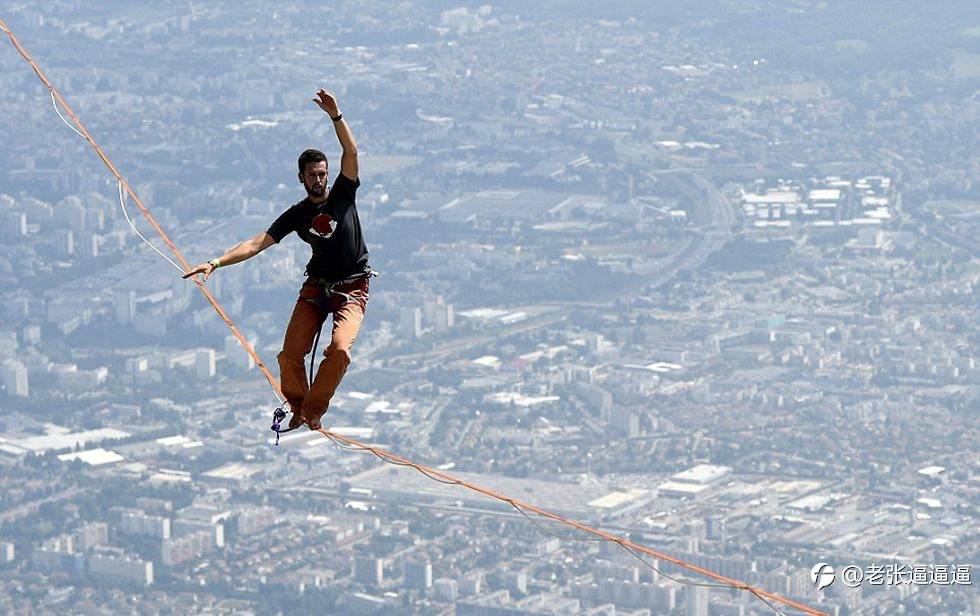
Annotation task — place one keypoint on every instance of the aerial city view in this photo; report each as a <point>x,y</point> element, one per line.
<point>627,308</point>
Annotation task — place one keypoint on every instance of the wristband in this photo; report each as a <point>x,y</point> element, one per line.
<point>215,263</point>
<point>339,117</point>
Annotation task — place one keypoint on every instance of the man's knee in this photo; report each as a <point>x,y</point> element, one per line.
<point>338,352</point>
<point>291,356</point>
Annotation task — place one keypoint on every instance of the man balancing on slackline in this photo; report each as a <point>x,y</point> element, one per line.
<point>337,274</point>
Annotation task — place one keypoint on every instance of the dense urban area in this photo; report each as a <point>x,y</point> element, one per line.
<point>699,275</point>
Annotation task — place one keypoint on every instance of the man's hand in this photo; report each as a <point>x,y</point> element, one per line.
<point>205,268</point>
<point>326,101</point>
<point>348,160</point>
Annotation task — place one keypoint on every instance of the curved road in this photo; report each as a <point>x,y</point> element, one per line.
<point>714,212</point>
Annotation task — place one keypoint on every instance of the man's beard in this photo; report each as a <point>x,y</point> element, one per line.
<point>315,192</point>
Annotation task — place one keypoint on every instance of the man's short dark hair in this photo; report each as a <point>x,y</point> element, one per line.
<point>310,156</point>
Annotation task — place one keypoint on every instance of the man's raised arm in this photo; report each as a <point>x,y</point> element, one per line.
<point>348,159</point>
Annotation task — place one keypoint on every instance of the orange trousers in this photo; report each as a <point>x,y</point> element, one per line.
<point>309,402</point>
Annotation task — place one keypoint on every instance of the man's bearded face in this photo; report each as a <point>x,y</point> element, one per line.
<point>314,179</point>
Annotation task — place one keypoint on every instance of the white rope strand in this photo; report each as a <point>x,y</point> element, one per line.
<point>54,103</point>
<point>122,204</point>
<point>122,194</point>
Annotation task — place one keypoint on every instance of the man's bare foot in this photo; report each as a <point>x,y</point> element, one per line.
<point>313,420</point>
<point>296,420</point>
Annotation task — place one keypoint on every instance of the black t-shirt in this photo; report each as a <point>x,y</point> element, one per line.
<point>331,228</point>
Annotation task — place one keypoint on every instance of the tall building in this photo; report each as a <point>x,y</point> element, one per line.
<point>236,356</point>
<point>368,570</point>
<point>472,583</point>
<point>251,521</point>
<point>410,321</point>
<point>203,517</point>
<point>193,545</point>
<point>446,590</point>
<point>659,596</point>
<point>696,600</point>
<point>624,421</point>
<point>49,560</point>
<point>717,529</point>
<point>13,374</point>
<point>448,317</point>
<point>120,568</point>
<point>71,213</point>
<point>125,303</point>
<point>13,225</point>
<point>138,523</point>
<point>418,575</point>
<point>215,529</point>
<point>65,243</point>
<point>92,535</point>
<point>62,543</point>
<point>204,363</point>
<point>516,581</point>
<point>438,313</point>
<point>88,245</point>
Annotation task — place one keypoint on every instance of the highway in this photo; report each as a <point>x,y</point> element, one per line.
<point>479,340</point>
<point>712,211</point>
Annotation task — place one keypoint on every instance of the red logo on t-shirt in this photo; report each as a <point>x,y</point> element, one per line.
<point>323,225</point>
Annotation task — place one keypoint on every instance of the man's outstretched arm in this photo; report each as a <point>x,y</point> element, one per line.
<point>242,251</point>
<point>348,159</point>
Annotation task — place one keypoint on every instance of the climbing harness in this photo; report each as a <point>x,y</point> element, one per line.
<point>329,290</point>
